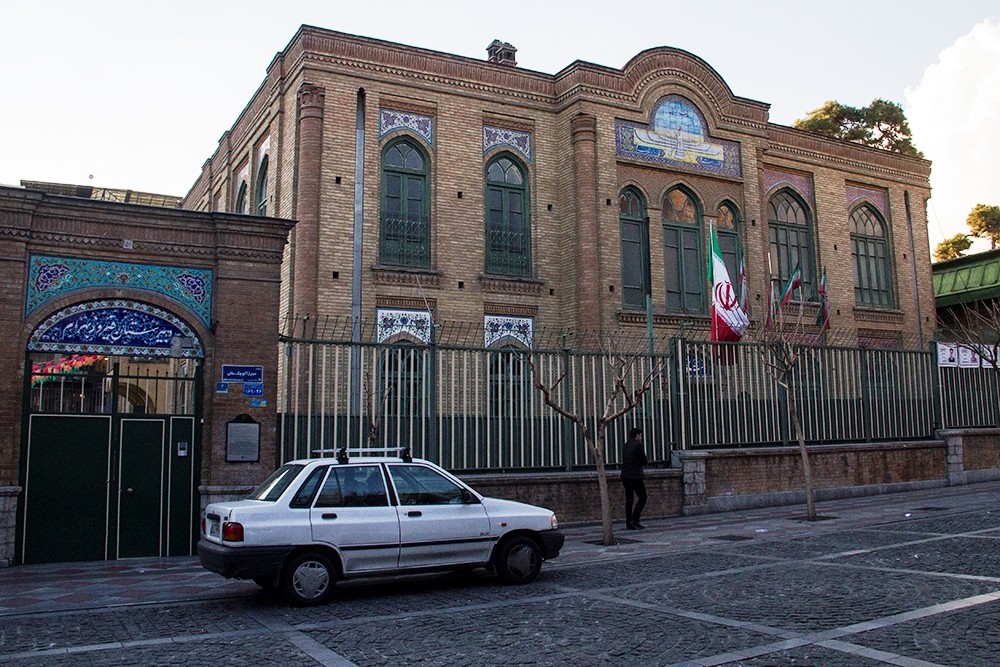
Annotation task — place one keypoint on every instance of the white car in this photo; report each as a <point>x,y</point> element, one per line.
<point>314,521</point>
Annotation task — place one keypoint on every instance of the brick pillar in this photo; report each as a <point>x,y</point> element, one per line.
<point>693,467</point>
<point>307,197</point>
<point>588,274</point>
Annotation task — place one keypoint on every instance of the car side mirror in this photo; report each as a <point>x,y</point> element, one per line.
<point>467,497</point>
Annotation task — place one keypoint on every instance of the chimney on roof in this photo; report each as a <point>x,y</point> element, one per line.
<point>501,53</point>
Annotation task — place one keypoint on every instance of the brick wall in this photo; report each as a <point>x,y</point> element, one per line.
<point>577,268</point>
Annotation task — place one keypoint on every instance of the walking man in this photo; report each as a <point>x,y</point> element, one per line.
<point>633,458</point>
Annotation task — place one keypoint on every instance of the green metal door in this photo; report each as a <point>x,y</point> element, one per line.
<point>141,487</point>
<point>66,488</point>
<point>181,511</point>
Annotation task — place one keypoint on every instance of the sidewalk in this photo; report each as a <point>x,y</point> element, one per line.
<point>77,586</point>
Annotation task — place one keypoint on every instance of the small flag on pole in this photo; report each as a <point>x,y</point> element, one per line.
<point>742,279</point>
<point>729,321</point>
<point>823,318</point>
<point>794,282</point>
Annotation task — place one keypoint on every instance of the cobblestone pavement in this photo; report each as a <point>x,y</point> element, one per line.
<point>906,579</point>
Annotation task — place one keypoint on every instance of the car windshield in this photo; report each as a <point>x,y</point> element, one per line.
<point>272,487</point>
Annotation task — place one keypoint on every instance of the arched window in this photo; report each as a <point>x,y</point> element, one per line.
<point>508,237</point>
<point>406,232</point>
<point>682,256</point>
<point>262,187</point>
<point>728,232</point>
<point>241,199</point>
<point>510,382</point>
<point>402,371</point>
<point>789,234</point>
<point>870,251</point>
<point>634,229</point>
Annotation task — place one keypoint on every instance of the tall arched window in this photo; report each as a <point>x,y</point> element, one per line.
<point>262,187</point>
<point>508,237</point>
<point>634,229</point>
<point>402,374</point>
<point>241,198</point>
<point>789,234</point>
<point>682,256</point>
<point>728,232</point>
<point>510,382</point>
<point>870,251</point>
<point>405,224</point>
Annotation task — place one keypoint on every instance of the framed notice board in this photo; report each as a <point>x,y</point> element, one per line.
<point>243,440</point>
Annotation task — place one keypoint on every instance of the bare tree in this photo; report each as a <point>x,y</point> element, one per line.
<point>783,344</point>
<point>374,412</point>
<point>620,361</point>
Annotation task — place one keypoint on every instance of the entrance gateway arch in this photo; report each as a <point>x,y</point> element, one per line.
<point>112,405</point>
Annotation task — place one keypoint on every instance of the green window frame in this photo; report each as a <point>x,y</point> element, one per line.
<point>405,233</point>
<point>727,229</point>
<point>683,265</point>
<point>262,188</point>
<point>633,225</point>
<point>870,252</point>
<point>790,244</point>
<point>508,228</point>
<point>509,382</point>
<point>241,199</point>
<point>403,385</point>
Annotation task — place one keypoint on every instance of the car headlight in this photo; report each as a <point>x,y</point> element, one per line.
<point>555,522</point>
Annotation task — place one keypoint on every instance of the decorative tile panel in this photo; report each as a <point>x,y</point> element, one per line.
<point>775,177</point>
<point>677,135</point>
<point>391,322</point>
<point>53,277</point>
<point>877,197</point>
<point>390,121</point>
<point>498,136</point>
<point>498,327</point>
<point>116,327</point>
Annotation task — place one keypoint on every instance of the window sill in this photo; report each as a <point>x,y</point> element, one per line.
<point>405,275</point>
<point>663,318</point>
<point>871,314</point>
<point>495,283</point>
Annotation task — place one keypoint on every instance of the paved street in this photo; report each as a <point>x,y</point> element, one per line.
<point>905,579</point>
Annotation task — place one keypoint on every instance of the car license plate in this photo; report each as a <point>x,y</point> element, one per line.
<point>213,528</point>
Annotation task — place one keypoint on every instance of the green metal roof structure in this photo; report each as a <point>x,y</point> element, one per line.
<point>966,279</point>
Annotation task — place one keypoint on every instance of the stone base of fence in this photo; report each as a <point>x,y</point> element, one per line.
<point>736,479</point>
<point>973,455</point>
<point>575,497</point>
<point>8,511</point>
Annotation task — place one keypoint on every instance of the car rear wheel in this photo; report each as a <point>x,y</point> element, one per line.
<point>308,579</point>
<point>518,560</point>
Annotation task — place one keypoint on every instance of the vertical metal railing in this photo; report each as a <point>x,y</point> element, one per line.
<point>478,409</point>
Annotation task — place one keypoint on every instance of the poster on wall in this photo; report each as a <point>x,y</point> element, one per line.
<point>947,354</point>
<point>968,357</point>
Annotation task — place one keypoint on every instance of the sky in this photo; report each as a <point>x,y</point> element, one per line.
<point>137,94</point>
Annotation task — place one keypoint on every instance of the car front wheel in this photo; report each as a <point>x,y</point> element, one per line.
<point>308,580</point>
<point>518,560</point>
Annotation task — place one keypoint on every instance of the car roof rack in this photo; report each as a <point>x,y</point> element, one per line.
<point>343,458</point>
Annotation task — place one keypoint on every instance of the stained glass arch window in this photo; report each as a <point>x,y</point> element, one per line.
<point>870,255</point>
<point>405,207</point>
<point>683,264</point>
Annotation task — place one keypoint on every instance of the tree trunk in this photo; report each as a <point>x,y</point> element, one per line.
<point>793,408</point>
<point>608,537</point>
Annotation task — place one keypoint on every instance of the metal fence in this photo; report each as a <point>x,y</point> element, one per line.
<point>478,409</point>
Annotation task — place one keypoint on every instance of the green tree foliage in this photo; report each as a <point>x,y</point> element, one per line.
<point>881,124</point>
<point>984,223</point>
<point>952,248</point>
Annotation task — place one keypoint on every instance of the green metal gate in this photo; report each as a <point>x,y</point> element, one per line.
<point>109,461</point>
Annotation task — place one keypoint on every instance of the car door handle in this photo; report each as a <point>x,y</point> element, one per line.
<point>414,513</point>
<point>329,515</point>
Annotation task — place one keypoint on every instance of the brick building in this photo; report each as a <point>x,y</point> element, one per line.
<point>515,200</point>
<point>115,318</point>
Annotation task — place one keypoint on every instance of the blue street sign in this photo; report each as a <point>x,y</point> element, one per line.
<point>221,387</point>
<point>258,403</point>
<point>233,373</point>
<point>253,388</point>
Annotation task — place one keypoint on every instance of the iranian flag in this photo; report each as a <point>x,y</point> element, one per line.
<point>823,318</point>
<point>794,282</point>
<point>729,321</point>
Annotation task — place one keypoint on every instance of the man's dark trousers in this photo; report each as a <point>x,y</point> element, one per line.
<point>634,487</point>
